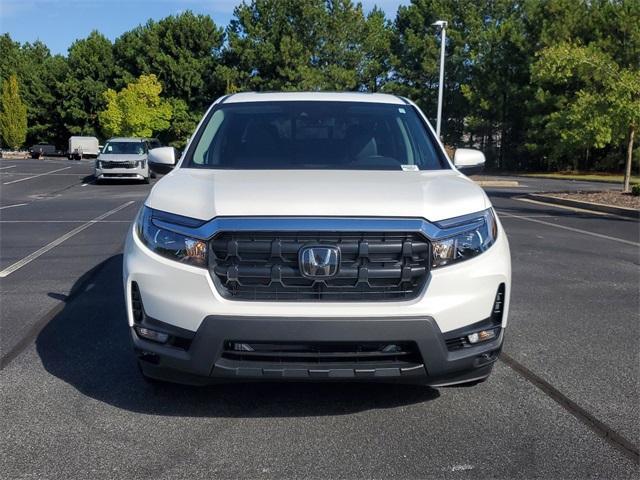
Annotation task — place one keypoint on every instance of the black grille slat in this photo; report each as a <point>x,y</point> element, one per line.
<point>456,343</point>
<point>288,272</point>
<point>136,303</point>
<point>110,164</point>
<point>321,352</point>
<point>315,356</point>
<point>374,266</point>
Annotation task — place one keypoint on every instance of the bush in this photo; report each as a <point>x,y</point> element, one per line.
<point>635,190</point>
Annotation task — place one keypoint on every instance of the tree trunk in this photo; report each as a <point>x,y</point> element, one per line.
<point>586,165</point>
<point>627,169</point>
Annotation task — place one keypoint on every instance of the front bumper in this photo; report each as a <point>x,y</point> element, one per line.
<point>138,173</point>
<point>203,361</point>
<point>183,298</point>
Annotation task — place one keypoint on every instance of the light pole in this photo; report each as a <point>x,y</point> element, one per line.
<point>443,36</point>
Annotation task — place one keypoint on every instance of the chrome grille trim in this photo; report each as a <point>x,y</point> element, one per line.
<point>208,229</point>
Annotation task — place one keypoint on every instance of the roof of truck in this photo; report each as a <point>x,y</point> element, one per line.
<point>127,139</point>
<point>314,96</point>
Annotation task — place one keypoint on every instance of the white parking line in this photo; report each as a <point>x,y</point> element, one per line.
<point>11,206</point>
<point>10,166</point>
<point>571,229</point>
<point>29,258</point>
<point>36,176</point>
<point>12,174</point>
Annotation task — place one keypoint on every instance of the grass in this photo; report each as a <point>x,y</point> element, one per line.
<point>594,177</point>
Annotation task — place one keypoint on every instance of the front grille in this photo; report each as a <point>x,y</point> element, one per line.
<point>126,164</point>
<point>323,352</point>
<point>457,343</point>
<point>373,266</point>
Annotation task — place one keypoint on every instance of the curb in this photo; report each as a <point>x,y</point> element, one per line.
<point>598,207</point>
<point>497,183</point>
<point>15,155</point>
<point>569,179</point>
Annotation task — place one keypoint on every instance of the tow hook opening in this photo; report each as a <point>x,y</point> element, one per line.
<point>486,358</point>
<point>148,357</point>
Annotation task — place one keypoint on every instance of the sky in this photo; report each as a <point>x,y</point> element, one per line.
<point>58,23</point>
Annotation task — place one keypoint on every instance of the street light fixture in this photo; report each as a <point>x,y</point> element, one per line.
<point>443,35</point>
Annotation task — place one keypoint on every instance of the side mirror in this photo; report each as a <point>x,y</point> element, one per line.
<point>162,160</point>
<point>469,160</point>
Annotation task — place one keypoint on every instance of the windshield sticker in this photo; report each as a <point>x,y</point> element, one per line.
<point>410,168</point>
<point>402,110</point>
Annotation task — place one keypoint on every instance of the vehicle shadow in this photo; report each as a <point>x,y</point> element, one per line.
<point>88,346</point>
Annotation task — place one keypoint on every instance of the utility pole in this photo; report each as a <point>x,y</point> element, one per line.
<point>443,36</point>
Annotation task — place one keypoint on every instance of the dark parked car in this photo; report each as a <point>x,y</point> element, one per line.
<point>42,150</point>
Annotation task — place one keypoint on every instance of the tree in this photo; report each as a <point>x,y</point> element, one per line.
<point>137,110</point>
<point>90,72</point>
<point>13,114</point>
<point>487,70</point>
<point>38,74</point>
<point>306,45</point>
<point>375,61</point>
<point>604,107</point>
<point>606,27</point>
<point>183,124</point>
<point>181,50</point>
<point>416,54</point>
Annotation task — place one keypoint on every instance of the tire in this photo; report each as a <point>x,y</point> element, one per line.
<point>146,180</point>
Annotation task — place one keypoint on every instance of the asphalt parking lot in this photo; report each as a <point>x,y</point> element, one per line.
<point>563,402</point>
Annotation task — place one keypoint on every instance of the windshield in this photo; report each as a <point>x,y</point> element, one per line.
<point>125,148</point>
<point>315,135</point>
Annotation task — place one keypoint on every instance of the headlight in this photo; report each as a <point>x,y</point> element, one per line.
<point>468,244</point>
<point>98,164</point>
<point>140,163</point>
<point>170,244</point>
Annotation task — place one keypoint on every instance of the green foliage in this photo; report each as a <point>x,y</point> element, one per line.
<point>13,114</point>
<point>182,51</point>
<point>569,122</point>
<point>38,74</point>
<point>137,110</point>
<point>590,84</point>
<point>488,57</point>
<point>603,99</point>
<point>635,190</point>
<point>306,45</point>
<point>183,123</point>
<point>90,71</point>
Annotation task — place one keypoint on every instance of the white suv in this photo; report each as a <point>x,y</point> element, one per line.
<point>124,159</point>
<point>316,236</point>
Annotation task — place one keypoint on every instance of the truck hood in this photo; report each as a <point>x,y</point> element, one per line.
<point>205,194</point>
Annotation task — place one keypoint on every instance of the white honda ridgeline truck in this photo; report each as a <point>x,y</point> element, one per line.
<point>316,236</point>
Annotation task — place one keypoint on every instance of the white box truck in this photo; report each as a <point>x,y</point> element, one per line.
<point>83,147</point>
